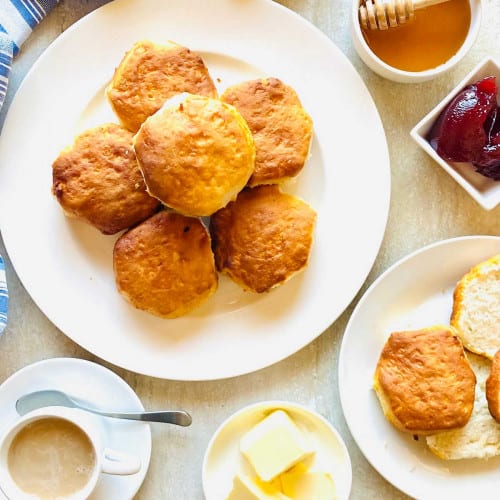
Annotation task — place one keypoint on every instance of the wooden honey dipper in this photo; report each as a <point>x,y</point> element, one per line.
<point>382,14</point>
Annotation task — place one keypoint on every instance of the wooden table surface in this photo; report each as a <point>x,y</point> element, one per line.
<point>426,206</point>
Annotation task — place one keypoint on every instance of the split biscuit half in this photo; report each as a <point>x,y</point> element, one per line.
<point>476,308</point>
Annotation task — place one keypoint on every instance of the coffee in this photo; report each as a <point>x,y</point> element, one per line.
<point>51,458</point>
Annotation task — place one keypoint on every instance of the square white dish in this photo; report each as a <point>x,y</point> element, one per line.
<point>485,191</point>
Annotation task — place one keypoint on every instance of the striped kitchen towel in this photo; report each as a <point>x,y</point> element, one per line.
<point>4,297</point>
<point>17,20</point>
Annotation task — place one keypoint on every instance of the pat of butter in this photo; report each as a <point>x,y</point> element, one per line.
<point>274,445</point>
<point>300,483</point>
<point>246,489</point>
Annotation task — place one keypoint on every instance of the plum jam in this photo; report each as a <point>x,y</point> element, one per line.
<point>468,130</point>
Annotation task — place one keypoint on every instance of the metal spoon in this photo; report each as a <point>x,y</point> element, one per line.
<point>41,399</point>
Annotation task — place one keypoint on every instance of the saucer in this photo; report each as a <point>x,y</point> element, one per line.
<point>99,387</point>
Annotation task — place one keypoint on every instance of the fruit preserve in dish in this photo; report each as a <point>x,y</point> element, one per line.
<point>468,130</point>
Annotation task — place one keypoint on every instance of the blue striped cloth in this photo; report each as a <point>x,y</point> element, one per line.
<point>4,297</point>
<point>17,20</point>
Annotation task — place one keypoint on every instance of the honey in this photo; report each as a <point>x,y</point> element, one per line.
<point>431,39</point>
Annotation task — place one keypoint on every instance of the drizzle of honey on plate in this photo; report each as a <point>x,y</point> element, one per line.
<point>433,37</point>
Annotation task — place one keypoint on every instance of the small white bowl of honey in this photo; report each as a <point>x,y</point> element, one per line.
<point>426,38</point>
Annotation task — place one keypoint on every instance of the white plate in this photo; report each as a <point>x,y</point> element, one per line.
<point>101,388</point>
<point>414,293</point>
<point>223,458</point>
<point>66,266</point>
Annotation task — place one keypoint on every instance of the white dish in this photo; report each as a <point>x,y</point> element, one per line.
<point>414,293</point>
<point>66,266</point>
<point>223,458</point>
<point>101,388</point>
<point>482,189</point>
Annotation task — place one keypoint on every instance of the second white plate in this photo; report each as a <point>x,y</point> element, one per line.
<point>414,293</point>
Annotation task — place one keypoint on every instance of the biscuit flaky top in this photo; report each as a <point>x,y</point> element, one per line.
<point>149,74</point>
<point>480,437</point>
<point>196,155</point>
<point>281,127</point>
<point>424,381</point>
<point>263,238</point>
<point>165,265</point>
<point>97,179</point>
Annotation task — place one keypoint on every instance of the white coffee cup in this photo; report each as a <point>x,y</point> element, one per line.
<point>37,443</point>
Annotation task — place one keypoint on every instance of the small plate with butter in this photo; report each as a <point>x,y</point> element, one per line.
<point>276,450</point>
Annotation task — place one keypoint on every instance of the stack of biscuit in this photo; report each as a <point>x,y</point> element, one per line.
<point>181,153</point>
<point>443,381</point>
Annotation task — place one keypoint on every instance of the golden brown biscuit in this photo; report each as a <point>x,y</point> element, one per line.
<point>149,74</point>
<point>476,308</point>
<point>424,382</point>
<point>281,128</point>
<point>493,388</point>
<point>263,238</point>
<point>195,155</point>
<point>97,179</point>
<point>165,265</point>
<point>480,437</point>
